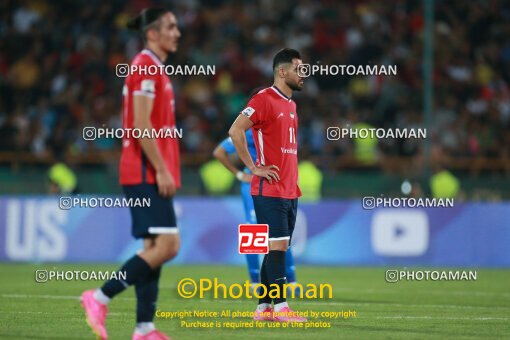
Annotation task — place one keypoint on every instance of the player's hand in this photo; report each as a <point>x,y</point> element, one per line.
<point>166,183</point>
<point>267,172</point>
<point>247,178</point>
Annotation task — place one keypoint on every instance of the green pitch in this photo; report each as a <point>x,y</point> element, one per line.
<point>406,310</point>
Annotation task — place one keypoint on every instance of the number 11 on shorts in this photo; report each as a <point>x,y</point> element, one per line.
<point>253,239</point>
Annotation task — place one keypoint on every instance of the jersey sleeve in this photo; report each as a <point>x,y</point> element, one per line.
<point>228,146</point>
<point>256,110</point>
<point>143,83</point>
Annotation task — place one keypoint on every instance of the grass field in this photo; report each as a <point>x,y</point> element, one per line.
<point>407,310</point>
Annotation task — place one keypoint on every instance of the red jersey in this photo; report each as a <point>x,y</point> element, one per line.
<point>135,167</point>
<point>275,123</point>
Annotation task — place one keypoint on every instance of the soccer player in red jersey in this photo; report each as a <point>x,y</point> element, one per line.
<point>149,168</point>
<point>272,116</point>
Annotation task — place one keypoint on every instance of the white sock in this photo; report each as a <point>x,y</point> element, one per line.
<point>278,307</point>
<point>99,296</point>
<point>144,328</point>
<point>263,306</point>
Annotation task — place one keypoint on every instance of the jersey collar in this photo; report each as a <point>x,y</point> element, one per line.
<point>280,93</point>
<point>153,56</point>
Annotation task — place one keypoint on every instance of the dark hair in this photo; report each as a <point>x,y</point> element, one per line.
<point>285,56</point>
<point>146,17</point>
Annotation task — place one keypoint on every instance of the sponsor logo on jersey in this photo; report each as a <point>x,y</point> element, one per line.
<point>148,85</point>
<point>248,111</point>
<point>290,150</point>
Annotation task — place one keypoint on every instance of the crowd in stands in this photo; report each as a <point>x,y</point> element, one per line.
<point>57,72</point>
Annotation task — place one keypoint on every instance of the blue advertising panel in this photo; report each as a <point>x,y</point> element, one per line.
<point>36,229</point>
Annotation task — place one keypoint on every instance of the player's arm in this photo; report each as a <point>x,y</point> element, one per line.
<point>238,134</point>
<point>142,109</point>
<point>221,155</point>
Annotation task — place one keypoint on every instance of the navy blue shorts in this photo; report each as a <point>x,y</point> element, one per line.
<point>157,219</point>
<point>278,213</point>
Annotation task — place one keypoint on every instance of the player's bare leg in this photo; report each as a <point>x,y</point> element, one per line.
<point>164,248</point>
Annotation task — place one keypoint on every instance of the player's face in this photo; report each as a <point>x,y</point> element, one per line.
<point>168,34</point>
<point>292,79</point>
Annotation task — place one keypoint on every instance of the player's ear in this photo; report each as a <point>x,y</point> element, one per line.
<point>281,71</point>
<point>152,34</point>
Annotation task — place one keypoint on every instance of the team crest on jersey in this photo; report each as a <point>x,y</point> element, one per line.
<point>248,111</point>
<point>148,85</point>
<point>292,115</point>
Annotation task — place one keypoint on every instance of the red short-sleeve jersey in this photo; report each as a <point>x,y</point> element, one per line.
<point>275,123</point>
<point>135,168</point>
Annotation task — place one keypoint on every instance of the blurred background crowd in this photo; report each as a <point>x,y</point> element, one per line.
<point>57,75</point>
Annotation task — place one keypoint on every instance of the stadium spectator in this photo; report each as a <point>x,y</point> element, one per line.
<point>66,79</point>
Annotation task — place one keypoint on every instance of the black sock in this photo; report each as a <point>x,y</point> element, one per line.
<point>146,296</point>
<point>264,281</point>
<point>275,268</point>
<point>135,268</point>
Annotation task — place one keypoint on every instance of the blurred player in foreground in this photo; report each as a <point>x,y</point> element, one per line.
<point>222,153</point>
<point>148,168</point>
<point>272,116</point>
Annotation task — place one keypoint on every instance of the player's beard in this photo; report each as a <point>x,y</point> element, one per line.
<point>294,86</point>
